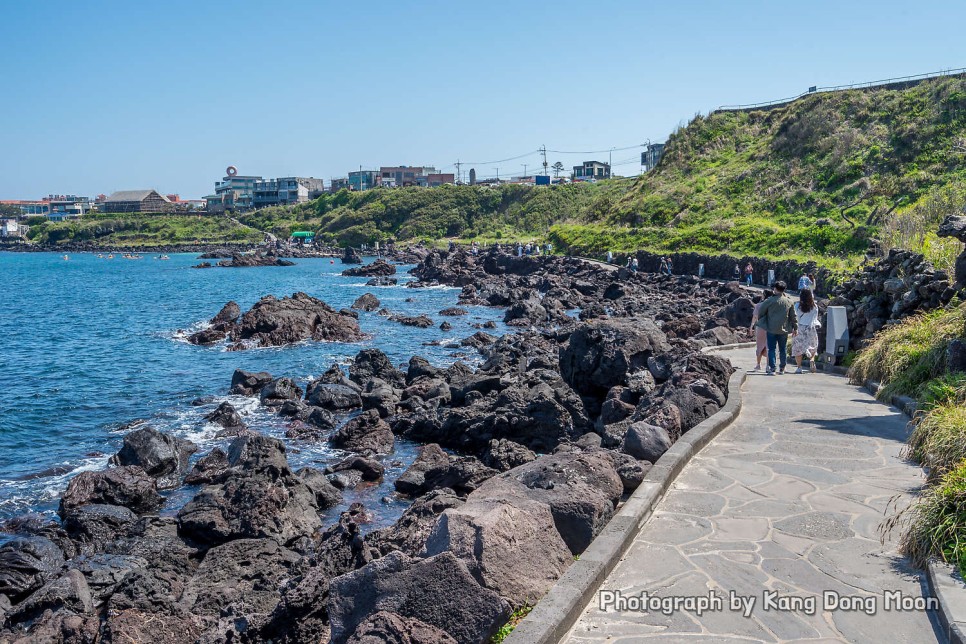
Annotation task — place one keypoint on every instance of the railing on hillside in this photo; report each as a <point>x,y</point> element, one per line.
<point>819,90</point>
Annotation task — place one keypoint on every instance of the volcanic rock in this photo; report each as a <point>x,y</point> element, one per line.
<point>366,302</point>
<point>511,547</point>
<point>420,321</point>
<point>413,480</point>
<point>378,268</point>
<point>582,490</point>
<point>26,563</point>
<point>228,417</point>
<point>390,628</point>
<point>160,455</point>
<point>247,383</point>
<point>409,533</point>
<point>277,322</point>
<point>366,434</point>
<point>326,495</point>
<point>128,486</point>
<point>332,397</point>
<point>646,442</point>
<point>208,468</point>
<point>604,353</point>
<point>438,591</point>
<point>278,391</point>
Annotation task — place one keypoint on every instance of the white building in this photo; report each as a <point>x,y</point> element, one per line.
<point>9,228</point>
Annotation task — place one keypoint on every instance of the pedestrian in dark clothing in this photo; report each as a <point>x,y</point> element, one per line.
<point>777,317</point>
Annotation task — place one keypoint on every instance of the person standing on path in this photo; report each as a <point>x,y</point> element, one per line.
<point>737,276</point>
<point>749,273</point>
<point>777,317</point>
<point>761,336</point>
<point>805,282</point>
<point>806,340</point>
<point>670,266</point>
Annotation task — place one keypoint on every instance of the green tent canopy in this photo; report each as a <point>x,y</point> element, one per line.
<point>303,235</point>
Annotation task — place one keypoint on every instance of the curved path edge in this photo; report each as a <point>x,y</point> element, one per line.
<point>558,610</point>
<point>948,588</point>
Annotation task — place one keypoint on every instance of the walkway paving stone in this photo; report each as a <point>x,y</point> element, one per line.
<point>788,500</point>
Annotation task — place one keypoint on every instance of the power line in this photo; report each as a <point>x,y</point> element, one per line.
<point>630,147</point>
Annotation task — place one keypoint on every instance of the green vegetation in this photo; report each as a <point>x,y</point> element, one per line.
<point>142,230</point>
<point>906,358</point>
<point>910,359</point>
<point>937,523</point>
<point>507,628</point>
<point>816,179</point>
<point>481,213</point>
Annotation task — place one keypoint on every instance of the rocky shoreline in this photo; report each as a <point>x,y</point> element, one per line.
<point>524,460</point>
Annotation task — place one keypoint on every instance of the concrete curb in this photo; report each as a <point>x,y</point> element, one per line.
<point>947,587</point>
<point>905,404</point>
<point>555,614</point>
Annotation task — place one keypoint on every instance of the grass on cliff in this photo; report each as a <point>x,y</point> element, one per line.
<point>904,358</point>
<point>937,522</point>
<point>909,358</point>
<point>143,230</point>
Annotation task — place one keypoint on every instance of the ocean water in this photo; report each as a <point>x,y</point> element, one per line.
<point>89,345</point>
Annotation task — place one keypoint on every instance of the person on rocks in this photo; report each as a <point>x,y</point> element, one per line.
<point>628,263</point>
<point>670,266</point>
<point>749,273</point>
<point>634,265</point>
<point>761,336</point>
<point>737,274</point>
<point>610,257</point>
<point>811,278</point>
<point>805,341</point>
<point>777,317</point>
<point>805,282</point>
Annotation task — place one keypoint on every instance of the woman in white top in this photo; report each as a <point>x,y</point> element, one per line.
<point>805,341</point>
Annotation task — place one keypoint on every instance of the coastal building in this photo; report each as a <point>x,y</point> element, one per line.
<point>149,201</point>
<point>591,170</point>
<point>233,192</point>
<point>285,191</point>
<point>54,207</point>
<point>62,207</point>
<point>28,208</point>
<point>336,185</point>
<point>437,179</point>
<point>9,229</point>
<point>651,156</point>
<point>404,175</point>
<point>363,180</point>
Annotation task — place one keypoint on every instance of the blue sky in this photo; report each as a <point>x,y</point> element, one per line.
<point>102,96</point>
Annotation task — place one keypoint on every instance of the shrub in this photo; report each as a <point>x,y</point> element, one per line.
<point>936,523</point>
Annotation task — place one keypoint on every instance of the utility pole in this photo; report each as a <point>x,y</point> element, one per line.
<point>497,175</point>
<point>458,171</point>
<point>543,151</point>
<point>610,168</point>
<point>524,171</point>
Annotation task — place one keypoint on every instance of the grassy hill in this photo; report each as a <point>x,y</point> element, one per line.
<point>817,179</point>
<point>142,230</point>
<point>819,176</point>
<point>465,212</point>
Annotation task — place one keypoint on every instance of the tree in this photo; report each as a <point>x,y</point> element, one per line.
<point>558,167</point>
<point>10,210</point>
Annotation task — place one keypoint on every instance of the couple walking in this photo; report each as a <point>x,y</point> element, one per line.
<point>777,317</point>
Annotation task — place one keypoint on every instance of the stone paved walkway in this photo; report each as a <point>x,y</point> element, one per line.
<point>789,498</point>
